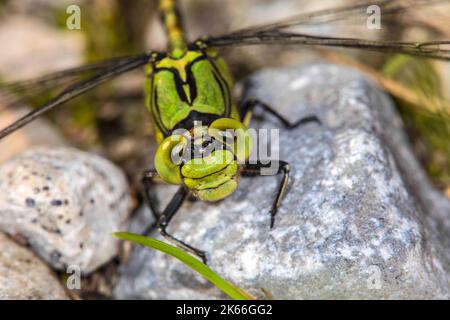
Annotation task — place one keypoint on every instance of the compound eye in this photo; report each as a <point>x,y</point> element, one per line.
<point>168,158</point>
<point>233,133</point>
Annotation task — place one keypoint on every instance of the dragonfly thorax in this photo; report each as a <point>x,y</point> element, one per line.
<point>194,87</point>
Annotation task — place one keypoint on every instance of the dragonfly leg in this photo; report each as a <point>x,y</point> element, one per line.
<point>168,214</point>
<point>163,219</point>
<point>257,170</point>
<point>148,178</point>
<point>250,105</point>
<point>148,182</point>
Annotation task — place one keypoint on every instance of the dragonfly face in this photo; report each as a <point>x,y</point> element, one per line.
<point>206,159</point>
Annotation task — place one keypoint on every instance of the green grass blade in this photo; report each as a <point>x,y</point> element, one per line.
<point>228,288</point>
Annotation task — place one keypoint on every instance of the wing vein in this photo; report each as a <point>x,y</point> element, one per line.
<point>75,90</point>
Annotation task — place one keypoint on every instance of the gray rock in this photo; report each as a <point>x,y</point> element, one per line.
<point>360,219</point>
<point>25,276</point>
<point>65,203</point>
<point>141,219</point>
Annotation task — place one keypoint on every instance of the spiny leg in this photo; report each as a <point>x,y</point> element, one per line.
<point>169,212</point>
<point>150,198</point>
<point>257,170</point>
<point>247,111</point>
<point>167,215</point>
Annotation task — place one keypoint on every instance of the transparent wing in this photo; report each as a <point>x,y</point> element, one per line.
<point>433,49</point>
<point>353,12</point>
<point>278,34</point>
<point>79,88</point>
<point>10,92</point>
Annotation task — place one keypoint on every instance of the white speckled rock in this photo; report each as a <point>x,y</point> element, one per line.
<point>360,219</point>
<point>65,203</point>
<point>25,276</point>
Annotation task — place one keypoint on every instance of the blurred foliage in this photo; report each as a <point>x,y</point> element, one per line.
<point>101,39</point>
<point>2,4</point>
<point>430,128</point>
<point>111,28</point>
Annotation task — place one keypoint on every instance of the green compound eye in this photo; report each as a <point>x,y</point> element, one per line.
<point>168,170</point>
<point>242,139</point>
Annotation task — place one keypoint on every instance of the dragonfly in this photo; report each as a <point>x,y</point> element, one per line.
<point>188,92</point>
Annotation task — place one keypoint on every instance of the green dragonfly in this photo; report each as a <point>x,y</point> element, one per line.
<point>188,94</point>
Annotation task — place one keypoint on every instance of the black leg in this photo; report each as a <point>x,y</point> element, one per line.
<point>163,219</point>
<point>247,110</point>
<point>168,214</point>
<point>283,167</point>
<point>148,178</point>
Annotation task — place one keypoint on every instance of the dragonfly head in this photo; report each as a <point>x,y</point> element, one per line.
<point>206,158</point>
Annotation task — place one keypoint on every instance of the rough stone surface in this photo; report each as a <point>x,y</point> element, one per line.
<point>141,219</point>
<point>25,276</point>
<point>360,219</point>
<point>65,203</point>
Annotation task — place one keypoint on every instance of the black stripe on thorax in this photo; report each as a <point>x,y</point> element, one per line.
<point>205,118</point>
<point>190,80</point>
<point>225,90</point>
